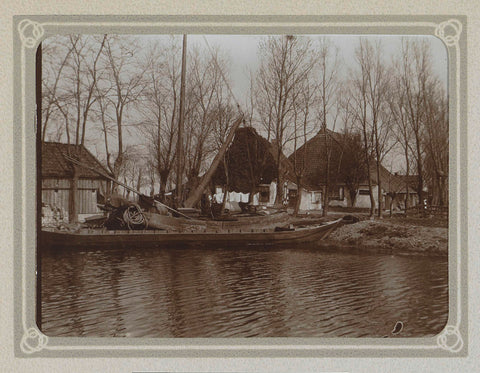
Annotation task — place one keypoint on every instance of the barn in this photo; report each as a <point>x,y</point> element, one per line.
<point>71,190</point>
<point>312,156</point>
<point>251,161</point>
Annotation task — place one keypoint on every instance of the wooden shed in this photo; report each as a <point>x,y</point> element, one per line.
<point>71,189</point>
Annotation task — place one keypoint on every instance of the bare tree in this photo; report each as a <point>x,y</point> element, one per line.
<point>351,168</point>
<point>203,95</point>
<point>372,87</point>
<point>134,173</point>
<point>415,77</point>
<point>436,143</point>
<point>401,128</point>
<point>82,80</point>
<point>69,85</point>
<point>159,110</point>
<point>328,111</point>
<point>285,62</point>
<point>223,117</point>
<point>302,109</point>
<point>52,71</point>
<point>126,84</point>
<point>420,108</point>
<point>359,94</point>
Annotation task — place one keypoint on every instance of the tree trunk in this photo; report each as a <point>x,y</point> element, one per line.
<point>327,171</point>
<point>227,184</point>
<point>279,195</point>
<point>299,196</point>
<point>163,183</point>
<point>420,173</point>
<point>353,196</point>
<point>72,203</point>
<point>325,200</point>
<point>370,191</point>
<point>181,124</point>
<point>407,197</point>
<point>379,192</point>
<point>252,193</point>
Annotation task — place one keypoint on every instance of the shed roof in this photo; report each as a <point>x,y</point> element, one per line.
<point>55,164</point>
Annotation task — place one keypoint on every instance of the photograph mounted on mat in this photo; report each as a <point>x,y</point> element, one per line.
<point>263,186</point>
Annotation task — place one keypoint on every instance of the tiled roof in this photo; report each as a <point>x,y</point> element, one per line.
<point>54,163</point>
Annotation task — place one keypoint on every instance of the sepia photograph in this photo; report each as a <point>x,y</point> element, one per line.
<point>241,185</point>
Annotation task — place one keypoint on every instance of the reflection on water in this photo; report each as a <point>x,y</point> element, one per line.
<point>249,292</point>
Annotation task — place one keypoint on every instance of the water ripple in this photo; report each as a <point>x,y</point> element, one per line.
<point>291,292</point>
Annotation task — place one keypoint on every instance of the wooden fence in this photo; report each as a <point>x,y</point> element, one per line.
<point>429,210</point>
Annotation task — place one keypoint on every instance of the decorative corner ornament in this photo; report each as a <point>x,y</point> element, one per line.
<point>33,341</point>
<point>30,32</point>
<point>449,31</point>
<point>450,339</point>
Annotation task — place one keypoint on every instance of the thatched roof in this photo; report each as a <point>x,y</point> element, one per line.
<point>251,159</point>
<point>312,156</point>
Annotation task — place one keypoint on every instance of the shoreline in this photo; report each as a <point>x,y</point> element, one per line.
<point>391,235</point>
<point>396,236</point>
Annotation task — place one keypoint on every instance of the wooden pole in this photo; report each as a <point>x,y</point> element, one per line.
<point>197,193</point>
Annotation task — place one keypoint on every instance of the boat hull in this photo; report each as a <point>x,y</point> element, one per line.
<point>156,221</point>
<point>225,238</point>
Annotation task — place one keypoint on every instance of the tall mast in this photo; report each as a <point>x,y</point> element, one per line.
<point>181,122</point>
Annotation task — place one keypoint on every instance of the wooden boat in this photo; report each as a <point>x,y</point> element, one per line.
<point>91,238</point>
<point>164,222</point>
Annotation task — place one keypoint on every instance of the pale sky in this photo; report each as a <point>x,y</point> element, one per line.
<point>242,51</point>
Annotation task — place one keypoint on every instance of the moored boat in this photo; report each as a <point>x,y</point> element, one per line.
<point>165,222</point>
<point>94,238</point>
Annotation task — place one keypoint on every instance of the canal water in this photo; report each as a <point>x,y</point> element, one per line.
<point>245,292</point>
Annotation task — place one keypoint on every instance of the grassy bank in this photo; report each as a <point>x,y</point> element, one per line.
<point>398,235</point>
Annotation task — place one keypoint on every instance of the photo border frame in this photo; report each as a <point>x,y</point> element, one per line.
<point>30,30</point>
